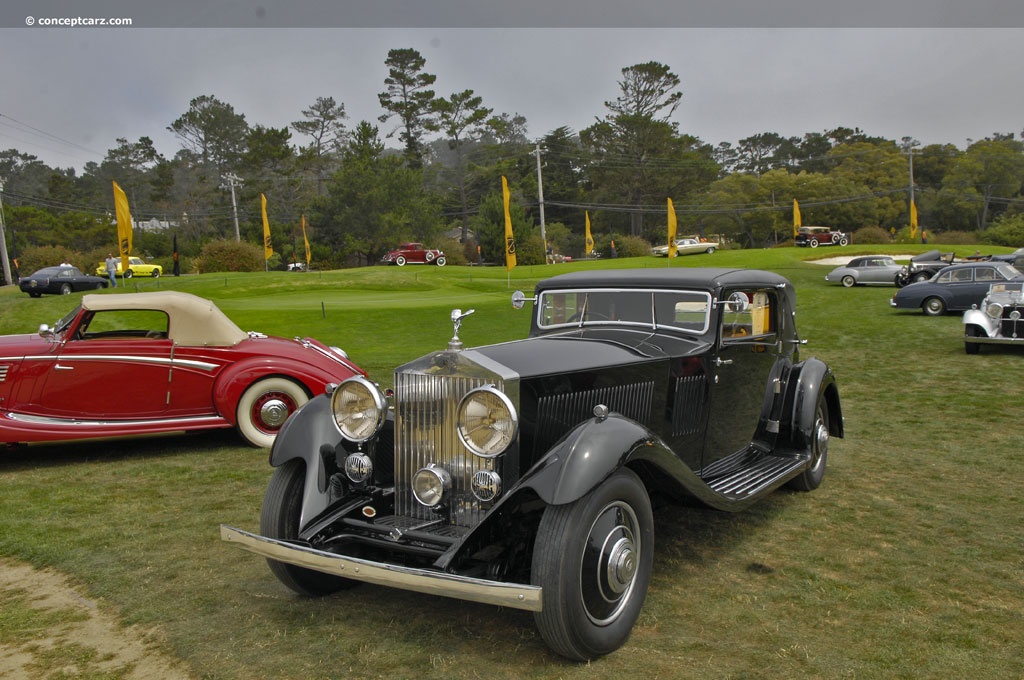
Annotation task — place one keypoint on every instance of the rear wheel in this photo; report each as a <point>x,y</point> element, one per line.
<point>129,274</point>
<point>933,306</point>
<point>265,406</point>
<point>65,289</point>
<point>811,478</point>
<point>279,518</point>
<point>593,559</point>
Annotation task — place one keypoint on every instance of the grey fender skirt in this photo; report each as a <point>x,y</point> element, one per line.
<point>515,595</point>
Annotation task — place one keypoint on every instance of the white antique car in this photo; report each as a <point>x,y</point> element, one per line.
<point>686,246</point>
<point>998,320</point>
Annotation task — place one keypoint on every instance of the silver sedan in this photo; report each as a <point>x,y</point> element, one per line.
<point>867,270</point>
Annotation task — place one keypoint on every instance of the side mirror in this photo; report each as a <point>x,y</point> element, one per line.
<point>737,303</point>
<point>519,300</point>
<point>45,331</point>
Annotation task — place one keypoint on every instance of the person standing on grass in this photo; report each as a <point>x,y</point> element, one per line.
<point>111,263</point>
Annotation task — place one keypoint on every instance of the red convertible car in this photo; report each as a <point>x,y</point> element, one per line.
<point>414,253</point>
<point>160,362</point>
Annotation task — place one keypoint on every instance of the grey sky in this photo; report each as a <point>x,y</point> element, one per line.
<point>68,93</point>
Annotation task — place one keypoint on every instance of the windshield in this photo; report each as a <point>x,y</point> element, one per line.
<point>687,311</point>
<point>62,325</point>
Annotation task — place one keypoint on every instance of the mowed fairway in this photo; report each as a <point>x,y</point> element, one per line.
<point>908,562</point>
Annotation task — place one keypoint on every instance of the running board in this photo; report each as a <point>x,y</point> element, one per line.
<point>751,472</point>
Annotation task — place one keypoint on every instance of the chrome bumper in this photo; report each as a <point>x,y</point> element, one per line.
<point>515,595</point>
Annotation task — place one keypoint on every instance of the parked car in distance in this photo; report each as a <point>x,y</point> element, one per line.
<point>686,246</point>
<point>136,267</point>
<point>60,280</point>
<point>954,288</point>
<point>414,253</point>
<point>868,270</point>
<point>812,237</point>
<point>924,266</point>
<point>998,320</point>
<point>520,474</point>
<point>149,363</point>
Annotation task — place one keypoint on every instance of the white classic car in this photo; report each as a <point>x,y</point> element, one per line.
<point>686,246</point>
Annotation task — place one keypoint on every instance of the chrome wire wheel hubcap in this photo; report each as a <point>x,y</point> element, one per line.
<point>610,563</point>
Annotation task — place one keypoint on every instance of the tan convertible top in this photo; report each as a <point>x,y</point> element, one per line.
<point>191,320</point>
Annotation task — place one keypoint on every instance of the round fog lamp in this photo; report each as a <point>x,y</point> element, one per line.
<point>359,408</point>
<point>429,485</point>
<point>486,485</point>
<point>358,467</point>
<point>487,422</point>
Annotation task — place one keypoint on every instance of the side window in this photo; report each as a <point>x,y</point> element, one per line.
<point>961,275</point>
<point>141,323</point>
<point>756,321</point>
<point>985,274</point>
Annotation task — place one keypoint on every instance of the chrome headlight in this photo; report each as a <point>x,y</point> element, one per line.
<point>487,422</point>
<point>429,485</point>
<point>359,408</point>
<point>994,309</point>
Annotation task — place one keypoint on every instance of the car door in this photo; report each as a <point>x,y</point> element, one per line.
<point>116,366</point>
<point>740,372</point>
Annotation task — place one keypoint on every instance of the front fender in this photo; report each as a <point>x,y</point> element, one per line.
<point>237,377</point>
<point>976,317</point>
<point>810,379</point>
<point>307,435</point>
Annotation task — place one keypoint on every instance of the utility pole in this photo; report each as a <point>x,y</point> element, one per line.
<point>233,181</point>
<point>3,238</point>
<point>540,198</point>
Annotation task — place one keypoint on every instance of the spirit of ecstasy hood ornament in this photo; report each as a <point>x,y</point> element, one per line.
<point>457,316</point>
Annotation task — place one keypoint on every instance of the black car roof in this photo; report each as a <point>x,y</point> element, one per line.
<point>671,278</point>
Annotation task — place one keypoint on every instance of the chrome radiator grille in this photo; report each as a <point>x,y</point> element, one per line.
<point>1009,327</point>
<point>425,432</point>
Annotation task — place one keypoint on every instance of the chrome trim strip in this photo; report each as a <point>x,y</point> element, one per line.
<point>201,365</point>
<point>74,422</point>
<point>515,595</point>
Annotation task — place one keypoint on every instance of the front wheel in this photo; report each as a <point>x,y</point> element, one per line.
<point>265,406</point>
<point>400,261</point>
<point>844,241</point>
<point>813,243</point>
<point>156,273</point>
<point>441,261</point>
<point>811,478</point>
<point>849,281</point>
<point>973,331</point>
<point>933,306</point>
<point>593,558</point>
<point>279,518</point>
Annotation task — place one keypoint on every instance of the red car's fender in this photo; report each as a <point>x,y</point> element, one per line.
<point>236,378</point>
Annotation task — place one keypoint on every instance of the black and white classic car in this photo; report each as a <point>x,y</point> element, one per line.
<point>520,474</point>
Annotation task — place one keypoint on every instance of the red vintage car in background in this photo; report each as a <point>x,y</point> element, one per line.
<point>414,253</point>
<point>160,362</point>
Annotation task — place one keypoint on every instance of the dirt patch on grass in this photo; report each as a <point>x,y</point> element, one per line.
<point>47,629</point>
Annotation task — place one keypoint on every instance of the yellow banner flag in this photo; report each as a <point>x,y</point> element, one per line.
<point>510,242</point>
<point>797,223</point>
<point>589,240</point>
<point>913,219</point>
<point>268,247</point>
<point>671,229</point>
<point>305,239</point>
<point>124,226</point>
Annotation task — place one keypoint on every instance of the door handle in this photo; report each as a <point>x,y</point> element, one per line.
<point>719,361</point>
<point>58,367</point>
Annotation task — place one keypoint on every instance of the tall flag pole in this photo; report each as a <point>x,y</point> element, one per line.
<point>797,222</point>
<point>124,226</point>
<point>913,219</point>
<point>671,231</point>
<point>306,240</point>
<point>510,242</point>
<point>268,247</point>
<point>588,238</point>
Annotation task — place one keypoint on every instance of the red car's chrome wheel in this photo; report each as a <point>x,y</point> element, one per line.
<point>265,406</point>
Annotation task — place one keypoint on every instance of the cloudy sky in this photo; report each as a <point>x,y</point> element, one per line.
<point>936,70</point>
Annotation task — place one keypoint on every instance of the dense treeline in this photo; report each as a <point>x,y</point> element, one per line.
<point>443,185</point>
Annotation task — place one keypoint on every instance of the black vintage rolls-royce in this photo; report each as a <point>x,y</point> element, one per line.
<point>520,474</point>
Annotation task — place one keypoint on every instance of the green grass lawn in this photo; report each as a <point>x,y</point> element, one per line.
<point>908,562</point>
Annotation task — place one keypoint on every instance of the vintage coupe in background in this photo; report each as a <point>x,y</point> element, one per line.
<point>954,288</point>
<point>136,267</point>
<point>924,266</point>
<point>61,280</point>
<point>521,474</point>
<point>414,253</point>
<point>999,320</point>
<point>686,246</point>
<point>812,237</point>
<point>147,363</point>
<point>868,270</point>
